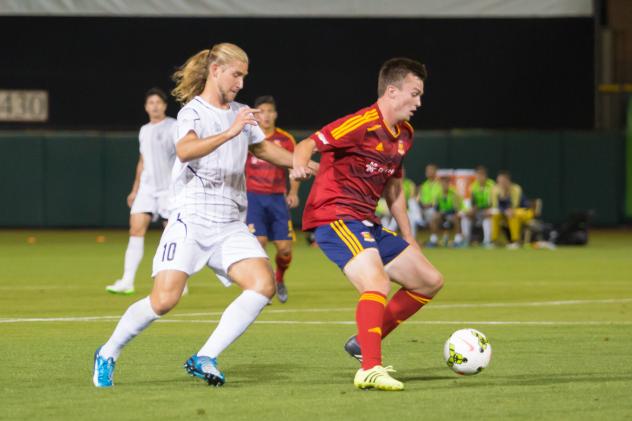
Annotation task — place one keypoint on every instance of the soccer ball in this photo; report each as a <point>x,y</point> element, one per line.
<point>467,351</point>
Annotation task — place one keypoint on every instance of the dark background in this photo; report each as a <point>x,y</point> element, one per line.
<point>492,73</point>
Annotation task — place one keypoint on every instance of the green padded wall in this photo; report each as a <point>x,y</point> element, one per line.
<point>82,179</point>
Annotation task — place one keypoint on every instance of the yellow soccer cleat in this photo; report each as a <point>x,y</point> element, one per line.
<point>377,378</point>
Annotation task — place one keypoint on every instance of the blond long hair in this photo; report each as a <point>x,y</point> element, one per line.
<point>190,78</point>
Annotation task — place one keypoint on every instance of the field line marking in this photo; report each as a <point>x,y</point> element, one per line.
<point>349,322</point>
<point>437,306</point>
<point>327,310</point>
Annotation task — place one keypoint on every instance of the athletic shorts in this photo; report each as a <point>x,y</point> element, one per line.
<point>341,241</point>
<point>188,247</point>
<point>147,201</point>
<point>269,216</point>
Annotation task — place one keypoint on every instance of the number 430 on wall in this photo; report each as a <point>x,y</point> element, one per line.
<point>23,106</point>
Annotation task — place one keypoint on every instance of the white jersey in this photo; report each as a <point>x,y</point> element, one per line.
<point>212,189</point>
<point>158,150</point>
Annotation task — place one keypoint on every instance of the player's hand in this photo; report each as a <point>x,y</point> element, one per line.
<point>301,173</point>
<point>292,200</point>
<point>130,199</point>
<point>314,166</point>
<point>245,116</point>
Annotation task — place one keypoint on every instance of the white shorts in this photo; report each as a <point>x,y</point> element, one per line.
<point>188,247</point>
<point>147,201</point>
<point>427,215</point>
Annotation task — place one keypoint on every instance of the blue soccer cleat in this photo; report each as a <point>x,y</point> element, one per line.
<point>353,348</point>
<point>205,368</point>
<point>103,370</point>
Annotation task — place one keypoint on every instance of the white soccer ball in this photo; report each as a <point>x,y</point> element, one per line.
<point>467,351</point>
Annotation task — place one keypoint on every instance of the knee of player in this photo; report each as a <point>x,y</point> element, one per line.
<point>435,281</point>
<point>163,302</point>
<point>267,289</point>
<point>285,252</point>
<point>135,231</point>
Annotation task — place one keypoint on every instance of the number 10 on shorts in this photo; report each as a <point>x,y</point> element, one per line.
<point>168,251</point>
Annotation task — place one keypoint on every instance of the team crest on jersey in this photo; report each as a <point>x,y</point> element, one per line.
<point>251,228</point>
<point>367,237</point>
<point>277,142</point>
<point>379,147</point>
<point>400,147</point>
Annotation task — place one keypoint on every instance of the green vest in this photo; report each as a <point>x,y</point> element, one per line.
<point>447,202</point>
<point>429,192</point>
<point>408,186</point>
<point>482,195</point>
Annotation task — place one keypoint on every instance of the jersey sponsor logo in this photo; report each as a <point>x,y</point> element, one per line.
<point>366,236</point>
<point>379,147</point>
<point>375,168</point>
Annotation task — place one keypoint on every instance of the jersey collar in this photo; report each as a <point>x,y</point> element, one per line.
<point>392,135</point>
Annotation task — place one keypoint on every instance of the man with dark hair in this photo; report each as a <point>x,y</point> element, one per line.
<point>268,216</point>
<point>362,156</point>
<point>148,199</point>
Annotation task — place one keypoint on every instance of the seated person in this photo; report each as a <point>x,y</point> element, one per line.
<point>479,214</point>
<point>426,194</point>
<point>414,214</point>
<point>509,205</point>
<point>447,206</point>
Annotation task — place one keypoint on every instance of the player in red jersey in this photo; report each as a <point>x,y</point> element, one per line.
<point>268,216</point>
<point>361,161</point>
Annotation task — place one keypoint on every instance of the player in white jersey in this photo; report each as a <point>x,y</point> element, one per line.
<point>149,198</point>
<point>207,225</point>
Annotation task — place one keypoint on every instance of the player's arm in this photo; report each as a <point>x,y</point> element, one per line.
<point>139,170</point>
<point>191,147</point>
<point>272,153</point>
<point>302,154</point>
<point>396,201</point>
<point>292,196</point>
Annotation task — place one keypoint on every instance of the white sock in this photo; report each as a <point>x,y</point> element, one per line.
<point>137,318</point>
<point>235,320</point>
<point>458,238</point>
<point>433,238</point>
<point>133,256</point>
<point>466,228</point>
<point>487,230</point>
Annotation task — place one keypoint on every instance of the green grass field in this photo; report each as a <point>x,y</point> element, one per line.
<point>560,323</point>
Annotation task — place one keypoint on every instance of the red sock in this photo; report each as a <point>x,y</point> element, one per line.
<point>282,263</point>
<point>404,304</point>
<point>369,317</point>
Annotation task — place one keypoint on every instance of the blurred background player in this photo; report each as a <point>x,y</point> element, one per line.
<point>149,198</point>
<point>361,161</point>
<point>480,211</point>
<point>428,190</point>
<point>413,210</point>
<point>206,227</point>
<point>448,204</point>
<point>509,207</point>
<point>268,216</point>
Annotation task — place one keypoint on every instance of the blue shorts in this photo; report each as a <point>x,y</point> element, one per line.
<point>269,216</point>
<point>342,240</point>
